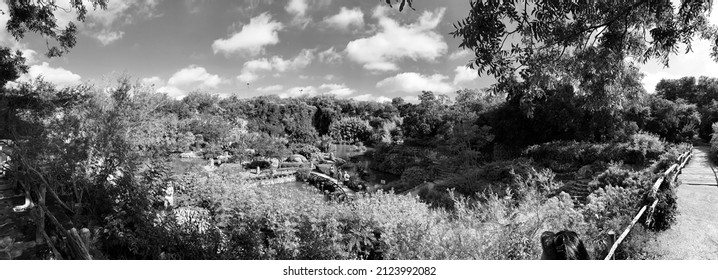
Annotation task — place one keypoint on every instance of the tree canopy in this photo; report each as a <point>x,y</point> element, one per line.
<point>512,36</point>
<point>39,17</point>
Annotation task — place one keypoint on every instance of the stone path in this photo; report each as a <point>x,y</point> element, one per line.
<point>694,236</point>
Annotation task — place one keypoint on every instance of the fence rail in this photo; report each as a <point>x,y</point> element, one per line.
<point>675,169</point>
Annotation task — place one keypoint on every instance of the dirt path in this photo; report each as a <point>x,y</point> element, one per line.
<point>694,236</point>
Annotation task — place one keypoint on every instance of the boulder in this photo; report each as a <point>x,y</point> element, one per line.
<point>585,172</point>
<point>297,158</point>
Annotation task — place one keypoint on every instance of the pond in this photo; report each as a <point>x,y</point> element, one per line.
<point>346,151</point>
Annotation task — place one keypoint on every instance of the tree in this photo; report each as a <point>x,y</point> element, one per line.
<point>12,65</point>
<point>507,36</point>
<point>350,130</point>
<point>39,17</point>
<point>402,4</point>
<point>426,120</point>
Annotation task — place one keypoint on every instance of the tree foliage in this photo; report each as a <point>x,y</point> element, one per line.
<point>39,17</point>
<point>510,35</point>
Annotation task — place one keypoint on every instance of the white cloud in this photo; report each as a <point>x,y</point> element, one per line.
<point>697,63</point>
<point>337,89</point>
<point>190,78</point>
<point>298,8</point>
<point>29,55</point>
<point>650,80</point>
<point>414,99</point>
<point>394,42</point>
<point>330,56</point>
<point>247,77</point>
<point>260,32</point>
<point>302,60</point>
<point>270,88</point>
<point>459,54</point>
<point>153,81</point>
<point>172,91</point>
<point>252,68</point>
<point>299,91</point>
<point>411,82</point>
<point>346,18</point>
<point>58,76</point>
<point>465,74</point>
<point>258,64</point>
<point>329,77</point>
<point>107,37</point>
<point>332,89</point>
<point>106,25</point>
<point>369,97</point>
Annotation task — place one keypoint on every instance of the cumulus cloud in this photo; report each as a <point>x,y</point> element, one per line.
<point>29,55</point>
<point>106,25</point>
<point>261,31</point>
<point>464,74</point>
<point>106,37</point>
<point>346,18</point>
<point>650,80</point>
<point>394,42</point>
<point>270,88</point>
<point>248,77</point>
<point>337,89</point>
<point>153,81</point>
<point>340,90</point>
<point>298,8</point>
<point>464,53</point>
<point>252,68</point>
<point>299,91</point>
<point>369,97</point>
<point>58,76</point>
<point>697,63</point>
<point>188,79</point>
<point>411,82</point>
<point>330,56</point>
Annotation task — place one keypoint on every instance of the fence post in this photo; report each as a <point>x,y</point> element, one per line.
<point>612,239</point>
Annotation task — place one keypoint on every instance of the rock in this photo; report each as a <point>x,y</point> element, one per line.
<point>585,172</point>
<point>297,158</point>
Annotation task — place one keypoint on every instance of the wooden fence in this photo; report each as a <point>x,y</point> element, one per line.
<point>670,174</point>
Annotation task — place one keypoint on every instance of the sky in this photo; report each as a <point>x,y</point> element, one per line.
<point>363,50</point>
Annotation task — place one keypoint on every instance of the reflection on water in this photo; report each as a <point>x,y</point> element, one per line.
<point>296,185</point>
<point>346,151</point>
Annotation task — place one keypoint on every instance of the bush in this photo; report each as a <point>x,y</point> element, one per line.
<point>664,216</point>
<point>350,130</point>
<point>642,148</point>
<point>263,164</point>
<point>308,151</point>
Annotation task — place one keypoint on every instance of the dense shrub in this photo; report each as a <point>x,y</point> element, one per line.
<point>395,158</point>
<point>263,164</point>
<point>642,148</point>
<point>307,150</point>
<point>350,130</point>
<point>562,156</point>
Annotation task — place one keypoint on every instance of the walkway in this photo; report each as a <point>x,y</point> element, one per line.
<point>694,236</point>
